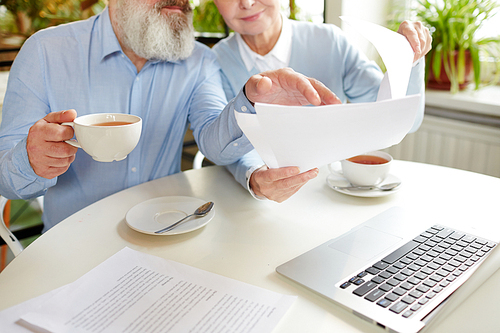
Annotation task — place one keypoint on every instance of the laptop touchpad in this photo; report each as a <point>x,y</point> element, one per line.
<point>364,243</point>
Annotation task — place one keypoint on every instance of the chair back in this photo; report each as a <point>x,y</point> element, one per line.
<point>198,160</point>
<point>8,237</point>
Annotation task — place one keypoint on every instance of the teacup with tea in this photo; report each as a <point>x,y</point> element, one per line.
<point>368,169</point>
<point>106,137</point>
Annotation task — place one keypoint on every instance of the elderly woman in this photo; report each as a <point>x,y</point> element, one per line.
<point>266,40</point>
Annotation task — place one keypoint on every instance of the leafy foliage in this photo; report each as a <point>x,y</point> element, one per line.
<point>206,17</point>
<point>33,15</point>
<point>454,24</point>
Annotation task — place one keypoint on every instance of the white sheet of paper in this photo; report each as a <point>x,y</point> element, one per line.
<point>10,318</point>
<point>136,292</point>
<point>395,51</point>
<point>310,137</point>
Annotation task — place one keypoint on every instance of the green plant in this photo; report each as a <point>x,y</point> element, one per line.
<point>30,16</point>
<point>294,10</point>
<point>453,24</point>
<point>206,17</point>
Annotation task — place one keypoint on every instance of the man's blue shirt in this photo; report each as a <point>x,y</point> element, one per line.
<point>81,66</point>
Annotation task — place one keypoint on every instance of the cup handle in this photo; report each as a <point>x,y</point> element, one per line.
<point>335,172</point>
<point>73,143</point>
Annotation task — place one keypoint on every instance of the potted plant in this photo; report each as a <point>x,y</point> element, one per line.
<point>456,49</point>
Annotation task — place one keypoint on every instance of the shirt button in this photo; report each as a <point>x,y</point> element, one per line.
<point>235,144</point>
<point>137,78</point>
<point>243,108</point>
<point>134,169</point>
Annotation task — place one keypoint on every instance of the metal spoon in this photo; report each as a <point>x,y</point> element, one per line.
<point>384,187</point>
<point>199,212</point>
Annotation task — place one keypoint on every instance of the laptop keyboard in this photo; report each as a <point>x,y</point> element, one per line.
<point>408,278</point>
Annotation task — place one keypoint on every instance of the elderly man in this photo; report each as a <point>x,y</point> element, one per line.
<point>137,57</point>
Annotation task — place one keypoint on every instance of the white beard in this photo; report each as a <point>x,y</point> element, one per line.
<point>153,36</point>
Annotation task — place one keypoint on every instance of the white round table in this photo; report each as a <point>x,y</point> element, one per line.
<point>247,239</point>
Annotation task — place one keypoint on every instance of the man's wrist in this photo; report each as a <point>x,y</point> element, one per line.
<point>249,188</point>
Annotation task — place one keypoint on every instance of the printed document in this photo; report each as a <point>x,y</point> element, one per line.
<point>134,292</point>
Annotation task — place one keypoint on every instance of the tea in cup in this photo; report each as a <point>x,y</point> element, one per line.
<point>106,137</point>
<point>367,169</point>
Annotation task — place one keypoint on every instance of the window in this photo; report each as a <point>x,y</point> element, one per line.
<point>492,27</point>
<point>308,10</point>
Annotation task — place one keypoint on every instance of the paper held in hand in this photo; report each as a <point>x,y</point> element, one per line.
<point>310,137</point>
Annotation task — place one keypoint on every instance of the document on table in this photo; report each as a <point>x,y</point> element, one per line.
<point>136,292</point>
<point>309,137</point>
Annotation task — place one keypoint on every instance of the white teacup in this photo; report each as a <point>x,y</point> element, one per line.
<point>365,170</point>
<point>106,137</point>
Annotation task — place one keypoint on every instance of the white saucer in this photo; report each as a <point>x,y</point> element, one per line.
<point>335,181</point>
<point>154,214</point>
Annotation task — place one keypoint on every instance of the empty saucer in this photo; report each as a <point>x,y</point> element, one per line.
<point>155,214</point>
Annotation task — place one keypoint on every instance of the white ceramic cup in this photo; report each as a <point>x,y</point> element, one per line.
<point>365,169</point>
<point>106,143</point>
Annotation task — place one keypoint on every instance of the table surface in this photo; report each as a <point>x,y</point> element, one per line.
<point>248,239</point>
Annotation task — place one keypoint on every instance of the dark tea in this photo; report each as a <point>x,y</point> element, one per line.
<point>368,159</point>
<point>113,123</point>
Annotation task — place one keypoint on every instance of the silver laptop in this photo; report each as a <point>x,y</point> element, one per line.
<point>390,270</point>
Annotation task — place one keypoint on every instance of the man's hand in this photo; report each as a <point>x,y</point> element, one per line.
<point>419,37</point>
<point>279,184</point>
<point>48,154</point>
<point>287,87</point>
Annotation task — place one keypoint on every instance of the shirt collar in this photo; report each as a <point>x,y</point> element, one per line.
<point>109,40</point>
<point>281,51</point>
<point>283,48</point>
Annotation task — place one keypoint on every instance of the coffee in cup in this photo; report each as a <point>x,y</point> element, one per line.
<point>106,137</point>
<point>367,169</point>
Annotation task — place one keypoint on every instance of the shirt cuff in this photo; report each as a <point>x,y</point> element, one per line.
<point>419,60</point>
<point>25,183</point>
<point>21,160</point>
<point>248,175</point>
<point>242,103</point>
<point>244,89</point>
